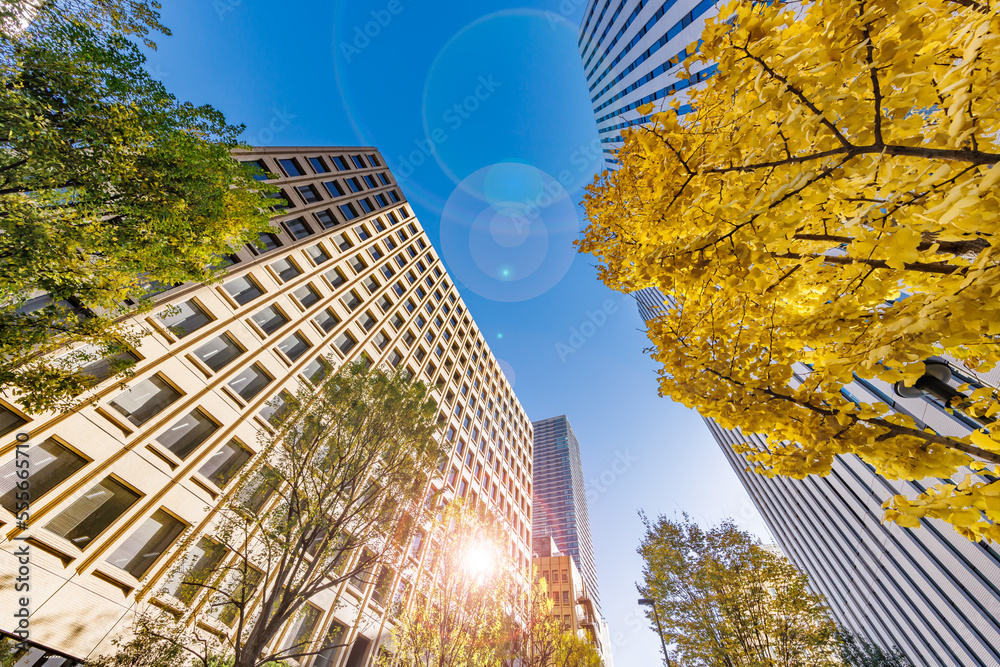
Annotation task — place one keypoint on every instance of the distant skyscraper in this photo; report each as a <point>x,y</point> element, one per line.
<point>631,55</point>
<point>929,591</point>
<point>559,499</point>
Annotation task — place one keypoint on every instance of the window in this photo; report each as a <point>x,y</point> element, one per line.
<point>269,319</point>
<point>381,340</point>
<point>197,567</point>
<point>370,181</point>
<point>394,196</point>
<point>382,585</point>
<point>345,342</point>
<point>375,253</point>
<point>348,211</point>
<point>366,204</point>
<point>392,217</point>
<point>396,321</point>
<point>300,634</point>
<point>291,167</point>
<point>342,241</point>
<point>366,321</point>
<point>141,549</point>
<point>276,410</point>
<point>185,318</point>
<point>88,360</point>
<point>267,241</point>
<point>340,163</point>
<point>93,512</point>
<point>317,254</point>
<point>145,400</point>
<point>285,269</point>
<point>381,200</point>
<point>362,232</point>
<point>325,218</point>
<point>250,381</point>
<point>373,160</point>
<point>186,435</point>
<point>318,165</point>
<point>294,346</point>
<point>222,466</point>
<point>309,193</point>
<point>218,352</point>
<point>351,300</point>
<point>358,161</point>
<point>378,225</point>
<point>281,200</point>
<point>316,370</point>
<point>334,188</point>
<point>298,228</point>
<point>370,284</point>
<point>306,295</point>
<point>51,465</point>
<point>336,277</point>
<point>388,271</point>
<point>383,177</point>
<point>357,263</point>
<point>258,168</point>
<point>354,184</point>
<point>243,289</point>
<point>327,320</point>
<point>385,303</point>
<point>242,588</point>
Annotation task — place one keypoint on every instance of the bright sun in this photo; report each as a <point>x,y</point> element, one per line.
<point>478,561</point>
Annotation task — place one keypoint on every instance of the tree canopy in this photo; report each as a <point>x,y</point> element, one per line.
<point>111,190</point>
<point>472,608</point>
<point>333,496</point>
<point>825,209</point>
<point>726,601</point>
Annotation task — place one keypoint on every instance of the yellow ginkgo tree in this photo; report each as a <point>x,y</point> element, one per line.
<point>827,210</point>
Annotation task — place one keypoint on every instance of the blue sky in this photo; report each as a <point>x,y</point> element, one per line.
<point>482,111</point>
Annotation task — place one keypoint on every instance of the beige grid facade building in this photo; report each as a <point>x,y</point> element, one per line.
<point>347,271</point>
<point>572,602</point>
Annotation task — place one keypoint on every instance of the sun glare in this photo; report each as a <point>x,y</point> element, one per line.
<point>478,561</point>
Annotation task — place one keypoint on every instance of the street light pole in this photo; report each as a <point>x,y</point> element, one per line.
<point>652,603</point>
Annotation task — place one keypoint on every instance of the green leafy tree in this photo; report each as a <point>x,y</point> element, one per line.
<point>332,497</point>
<point>111,189</point>
<point>856,651</point>
<point>726,601</point>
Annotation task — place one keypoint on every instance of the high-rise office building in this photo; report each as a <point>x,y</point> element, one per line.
<point>631,52</point>
<point>346,271</point>
<point>929,591</point>
<point>560,500</point>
